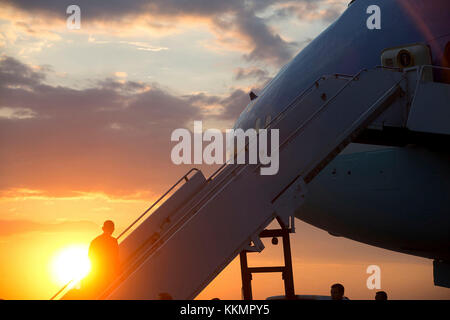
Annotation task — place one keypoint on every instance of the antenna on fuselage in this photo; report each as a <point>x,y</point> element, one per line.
<point>252,95</point>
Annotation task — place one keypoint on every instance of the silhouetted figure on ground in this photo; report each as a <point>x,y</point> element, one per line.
<point>381,295</point>
<point>164,296</point>
<point>337,292</point>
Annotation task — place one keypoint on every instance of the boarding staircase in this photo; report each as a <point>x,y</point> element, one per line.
<point>184,240</point>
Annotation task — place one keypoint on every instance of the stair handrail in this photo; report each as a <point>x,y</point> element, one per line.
<point>303,125</point>
<point>300,95</point>
<point>184,177</point>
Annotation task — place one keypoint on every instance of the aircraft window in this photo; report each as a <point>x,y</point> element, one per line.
<point>258,124</point>
<point>268,119</point>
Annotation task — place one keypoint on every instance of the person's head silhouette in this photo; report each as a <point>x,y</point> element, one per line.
<point>108,227</point>
<point>381,295</point>
<point>164,296</point>
<point>337,291</point>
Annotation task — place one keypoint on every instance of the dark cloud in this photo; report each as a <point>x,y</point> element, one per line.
<point>267,45</point>
<point>202,99</point>
<point>112,9</point>
<point>117,8</point>
<point>113,137</point>
<point>251,73</point>
<point>323,10</point>
<point>233,104</point>
<point>15,73</point>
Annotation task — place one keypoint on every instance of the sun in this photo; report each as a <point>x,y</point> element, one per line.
<point>71,263</point>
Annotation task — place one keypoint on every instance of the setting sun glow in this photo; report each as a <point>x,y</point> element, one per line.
<point>71,263</point>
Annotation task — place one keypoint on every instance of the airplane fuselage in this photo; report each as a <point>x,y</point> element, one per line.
<point>396,198</point>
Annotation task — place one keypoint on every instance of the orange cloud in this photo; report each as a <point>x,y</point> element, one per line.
<point>23,194</point>
<point>111,138</point>
<point>13,227</point>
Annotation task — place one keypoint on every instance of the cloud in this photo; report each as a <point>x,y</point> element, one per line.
<point>237,24</point>
<point>16,113</point>
<point>267,45</point>
<point>232,104</point>
<point>13,227</point>
<point>251,73</point>
<point>14,73</point>
<point>310,10</point>
<point>120,74</point>
<point>23,194</point>
<point>139,45</point>
<point>113,137</point>
<point>144,46</point>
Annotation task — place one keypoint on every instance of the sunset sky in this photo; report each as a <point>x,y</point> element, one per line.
<point>86,117</point>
